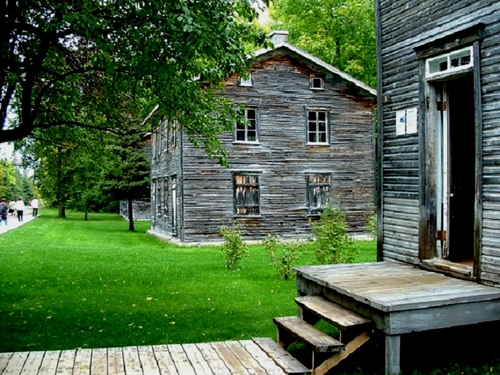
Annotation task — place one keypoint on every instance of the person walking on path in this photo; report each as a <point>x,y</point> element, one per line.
<point>12,207</point>
<point>4,210</point>
<point>20,209</point>
<point>34,206</point>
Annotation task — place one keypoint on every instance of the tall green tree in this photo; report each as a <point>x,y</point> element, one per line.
<point>340,32</point>
<point>66,164</point>
<point>83,63</point>
<point>127,176</point>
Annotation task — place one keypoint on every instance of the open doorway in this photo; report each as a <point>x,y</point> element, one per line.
<point>456,169</point>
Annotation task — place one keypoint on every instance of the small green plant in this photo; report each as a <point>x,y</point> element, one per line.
<point>332,243</point>
<point>283,255</point>
<point>372,225</point>
<point>234,249</point>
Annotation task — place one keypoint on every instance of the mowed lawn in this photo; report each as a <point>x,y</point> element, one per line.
<point>70,283</point>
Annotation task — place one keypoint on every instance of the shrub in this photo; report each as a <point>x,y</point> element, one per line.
<point>234,249</point>
<point>372,225</point>
<point>332,243</point>
<point>283,255</point>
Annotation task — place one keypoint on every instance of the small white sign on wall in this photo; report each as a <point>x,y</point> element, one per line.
<point>400,122</point>
<point>406,121</point>
<point>411,120</point>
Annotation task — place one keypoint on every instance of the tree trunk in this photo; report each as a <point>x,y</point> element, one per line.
<point>130,216</point>
<point>86,216</point>
<point>62,210</point>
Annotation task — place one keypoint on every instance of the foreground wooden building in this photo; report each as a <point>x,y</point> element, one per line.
<point>310,136</point>
<point>439,193</point>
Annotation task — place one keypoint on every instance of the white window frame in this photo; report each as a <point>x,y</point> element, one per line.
<point>242,131</point>
<point>319,123</point>
<point>246,82</point>
<point>450,63</point>
<point>314,80</point>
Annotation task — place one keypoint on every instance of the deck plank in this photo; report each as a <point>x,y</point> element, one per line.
<point>288,364</point>
<point>148,360</point>
<point>181,360</point>
<point>165,361</point>
<point>32,364</point>
<point>211,356</point>
<point>231,361</point>
<point>49,363</point>
<point>99,364</point>
<point>16,363</point>
<point>82,362</point>
<point>116,365</point>
<point>245,358</point>
<point>220,358</point>
<point>66,362</point>
<point>197,360</point>
<point>131,361</point>
<point>4,360</point>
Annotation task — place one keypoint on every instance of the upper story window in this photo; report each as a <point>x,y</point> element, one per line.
<point>246,194</point>
<point>246,81</point>
<point>316,82</point>
<point>318,192</point>
<point>451,62</point>
<point>317,127</point>
<point>247,132</point>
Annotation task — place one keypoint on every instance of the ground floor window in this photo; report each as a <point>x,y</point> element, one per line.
<point>246,194</point>
<point>318,192</point>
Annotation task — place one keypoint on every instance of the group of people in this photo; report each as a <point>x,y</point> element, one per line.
<point>17,207</point>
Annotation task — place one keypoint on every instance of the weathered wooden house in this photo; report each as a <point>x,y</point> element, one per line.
<point>439,193</point>
<point>309,135</point>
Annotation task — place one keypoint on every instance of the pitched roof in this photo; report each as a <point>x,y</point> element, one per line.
<point>290,47</point>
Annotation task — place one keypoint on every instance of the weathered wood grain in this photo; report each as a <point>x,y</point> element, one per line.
<point>298,329</point>
<point>285,360</point>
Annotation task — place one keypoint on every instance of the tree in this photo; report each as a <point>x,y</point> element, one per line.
<point>67,164</point>
<point>127,175</point>
<point>84,63</point>
<point>340,32</point>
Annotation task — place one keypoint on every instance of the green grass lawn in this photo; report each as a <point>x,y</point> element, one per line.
<point>70,283</point>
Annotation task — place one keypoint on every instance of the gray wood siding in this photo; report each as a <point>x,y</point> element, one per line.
<point>281,96</point>
<point>403,26</point>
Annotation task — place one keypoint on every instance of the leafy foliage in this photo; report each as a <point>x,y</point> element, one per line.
<point>332,242</point>
<point>283,255</point>
<point>372,225</point>
<point>127,174</point>
<point>91,63</point>
<point>340,32</point>
<point>234,249</point>
<point>13,183</point>
<point>67,164</point>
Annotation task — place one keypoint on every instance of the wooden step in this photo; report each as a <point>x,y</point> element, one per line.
<point>332,313</point>
<point>281,357</point>
<point>296,328</point>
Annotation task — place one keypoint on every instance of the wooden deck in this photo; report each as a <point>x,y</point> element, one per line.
<point>230,357</point>
<point>400,298</point>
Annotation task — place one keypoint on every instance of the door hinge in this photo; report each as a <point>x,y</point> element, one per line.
<point>441,235</point>
<point>441,106</point>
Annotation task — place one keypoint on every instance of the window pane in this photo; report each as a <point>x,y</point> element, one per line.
<point>240,135</point>
<point>246,194</point>
<point>319,191</point>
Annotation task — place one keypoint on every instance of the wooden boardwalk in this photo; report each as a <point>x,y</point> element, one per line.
<point>229,357</point>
